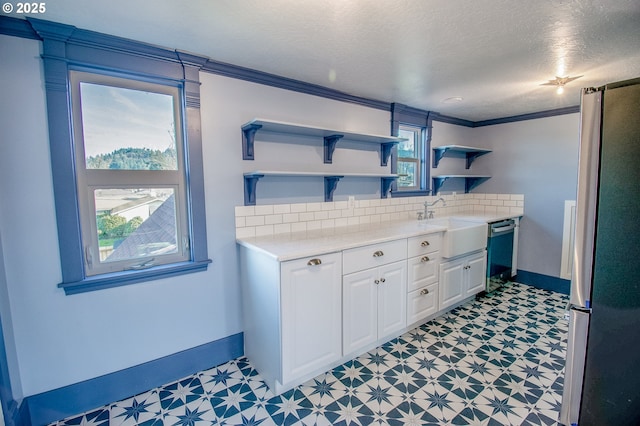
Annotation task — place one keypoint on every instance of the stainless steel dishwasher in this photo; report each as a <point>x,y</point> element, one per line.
<point>500,242</point>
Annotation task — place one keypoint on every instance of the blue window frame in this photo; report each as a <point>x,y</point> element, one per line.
<point>98,58</point>
<point>411,160</point>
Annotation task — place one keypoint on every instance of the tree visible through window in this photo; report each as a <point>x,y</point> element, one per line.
<point>409,158</point>
<point>131,184</point>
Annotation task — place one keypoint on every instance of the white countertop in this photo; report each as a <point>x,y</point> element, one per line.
<point>297,245</point>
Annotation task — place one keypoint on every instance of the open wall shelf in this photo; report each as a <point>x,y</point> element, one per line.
<point>471,153</point>
<point>330,182</point>
<point>330,137</point>
<point>470,181</point>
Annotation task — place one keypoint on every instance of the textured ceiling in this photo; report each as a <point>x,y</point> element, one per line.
<point>492,53</point>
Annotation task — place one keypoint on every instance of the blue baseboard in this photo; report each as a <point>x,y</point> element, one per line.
<point>58,404</point>
<point>545,282</point>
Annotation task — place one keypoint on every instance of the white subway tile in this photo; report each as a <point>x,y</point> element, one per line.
<point>247,232</point>
<point>282,208</point>
<point>374,202</point>
<point>312,226</point>
<point>339,205</point>
<point>352,221</point>
<point>334,214</point>
<point>255,220</point>
<point>320,215</point>
<point>491,196</point>
<point>272,219</point>
<point>314,207</point>
<point>328,206</point>
<point>265,230</point>
<point>359,212</point>
<point>504,196</point>
<point>517,197</point>
<point>283,228</point>
<point>240,221</point>
<point>291,217</point>
<point>370,211</point>
<point>298,208</point>
<point>264,210</point>
<point>306,216</point>
<point>362,203</point>
<point>299,227</point>
<point>510,203</point>
<point>380,209</point>
<point>245,210</point>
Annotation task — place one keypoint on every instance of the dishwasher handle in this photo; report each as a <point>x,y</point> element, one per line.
<point>507,226</point>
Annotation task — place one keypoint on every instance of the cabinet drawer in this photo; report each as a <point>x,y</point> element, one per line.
<point>421,303</point>
<point>423,270</point>
<point>358,259</point>
<point>423,244</point>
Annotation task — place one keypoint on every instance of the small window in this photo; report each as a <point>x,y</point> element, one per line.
<point>130,171</point>
<point>409,158</point>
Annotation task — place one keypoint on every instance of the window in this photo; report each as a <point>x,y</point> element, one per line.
<point>130,172</point>
<point>126,157</point>
<point>410,158</point>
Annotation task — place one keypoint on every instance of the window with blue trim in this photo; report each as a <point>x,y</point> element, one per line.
<point>126,153</point>
<point>410,160</point>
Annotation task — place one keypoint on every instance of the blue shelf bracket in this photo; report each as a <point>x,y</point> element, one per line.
<point>472,156</point>
<point>385,152</point>
<point>250,183</point>
<point>330,146</point>
<point>248,136</point>
<point>385,186</point>
<point>472,182</point>
<point>438,153</point>
<point>330,185</point>
<point>437,183</point>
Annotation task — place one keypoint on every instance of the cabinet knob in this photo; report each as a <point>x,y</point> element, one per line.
<point>378,254</point>
<point>377,281</point>
<point>424,243</point>
<point>382,280</point>
<point>424,259</point>
<point>314,262</point>
<point>424,291</point>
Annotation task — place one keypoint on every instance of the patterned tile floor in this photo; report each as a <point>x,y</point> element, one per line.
<point>498,360</point>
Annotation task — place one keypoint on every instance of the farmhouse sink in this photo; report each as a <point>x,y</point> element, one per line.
<point>461,236</point>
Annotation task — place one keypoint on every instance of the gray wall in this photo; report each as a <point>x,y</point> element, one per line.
<point>537,158</point>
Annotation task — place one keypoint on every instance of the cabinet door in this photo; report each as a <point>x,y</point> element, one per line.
<point>451,283</point>
<point>392,298</point>
<point>359,309</point>
<point>311,314</point>
<point>476,273</point>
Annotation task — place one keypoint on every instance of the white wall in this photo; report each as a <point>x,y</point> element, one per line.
<point>60,340</point>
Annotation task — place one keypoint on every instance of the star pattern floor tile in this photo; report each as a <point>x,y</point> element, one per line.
<point>497,360</point>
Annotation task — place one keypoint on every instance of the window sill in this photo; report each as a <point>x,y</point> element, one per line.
<point>395,194</point>
<point>100,282</point>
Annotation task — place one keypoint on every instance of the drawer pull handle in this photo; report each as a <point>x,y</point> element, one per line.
<point>378,254</point>
<point>314,262</point>
<point>424,243</point>
<point>424,259</point>
<point>424,291</point>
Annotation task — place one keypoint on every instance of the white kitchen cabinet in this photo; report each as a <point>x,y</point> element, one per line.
<point>311,314</point>
<point>374,300</point>
<point>292,314</point>
<point>462,278</point>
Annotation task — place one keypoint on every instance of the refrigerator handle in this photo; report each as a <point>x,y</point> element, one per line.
<point>574,367</point>
<point>587,196</point>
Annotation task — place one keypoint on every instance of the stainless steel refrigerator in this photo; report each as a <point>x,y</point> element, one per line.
<point>602,372</point>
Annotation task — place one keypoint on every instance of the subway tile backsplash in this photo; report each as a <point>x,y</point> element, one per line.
<point>255,221</point>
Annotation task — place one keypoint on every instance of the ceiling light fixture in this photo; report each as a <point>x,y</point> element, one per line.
<point>453,100</point>
<point>559,82</point>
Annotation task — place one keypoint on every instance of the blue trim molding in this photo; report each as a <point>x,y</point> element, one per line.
<point>545,282</point>
<point>533,116</point>
<point>66,47</point>
<point>74,399</point>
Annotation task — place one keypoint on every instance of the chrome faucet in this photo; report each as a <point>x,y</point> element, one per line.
<point>428,214</point>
